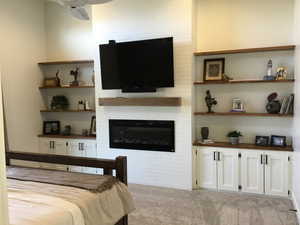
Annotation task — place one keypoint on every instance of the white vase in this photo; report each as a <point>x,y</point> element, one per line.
<point>234,140</point>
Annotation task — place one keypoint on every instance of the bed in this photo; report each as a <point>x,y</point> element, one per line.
<point>47,197</point>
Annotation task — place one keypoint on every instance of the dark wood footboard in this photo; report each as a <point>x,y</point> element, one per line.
<point>108,166</point>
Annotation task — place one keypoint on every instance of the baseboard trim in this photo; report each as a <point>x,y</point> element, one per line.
<point>296,206</point>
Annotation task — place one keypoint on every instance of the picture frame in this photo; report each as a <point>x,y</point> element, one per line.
<point>93,130</point>
<point>262,140</point>
<point>214,69</point>
<point>51,127</point>
<point>237,105</point>
<point>278,141</point>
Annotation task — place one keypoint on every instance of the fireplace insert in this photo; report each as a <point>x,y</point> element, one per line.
<point>150,135</point>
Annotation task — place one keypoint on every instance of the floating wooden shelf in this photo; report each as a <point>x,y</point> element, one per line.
<point>69,87</point>
<point>67,111</point>
<point>140,101</point>
<point>68,137</point>
<point>243,82</point>
<point>245,146</point>
<point>242,114</point>
<point>88,61</point>
<point>247,50</point>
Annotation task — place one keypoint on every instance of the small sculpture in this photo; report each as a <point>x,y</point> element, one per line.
<point>273,105</point>
<point>75,73</point>
<point>210,101</point>
<point>58,79</point>
<point>269,75</point>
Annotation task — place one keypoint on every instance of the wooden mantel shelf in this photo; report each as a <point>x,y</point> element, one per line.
<point>163,101</point>
<point>243,82</point>
<point>247,50</point>
<point>67,111</point>
<point>244,146</point>
<point>73,136</point>
<point>68,87</point>
<point>61,62</point>
<point>242,114</point>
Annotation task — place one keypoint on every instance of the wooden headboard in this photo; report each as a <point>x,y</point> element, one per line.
<point>108,165</point>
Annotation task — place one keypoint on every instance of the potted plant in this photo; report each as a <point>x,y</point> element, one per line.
<point>234,137</point>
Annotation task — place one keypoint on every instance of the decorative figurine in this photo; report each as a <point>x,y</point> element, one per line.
<point>273,105</point>
<point>93,78</point>
<point>58,79</point>
<point>75,73</point>
<point>269,75</point>
<point>281,73</point>
<point>210,101</point>
<point>59,102</point>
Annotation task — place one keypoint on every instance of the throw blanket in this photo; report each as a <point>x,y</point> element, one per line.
<point>90,182</point>
<point>96,205</point>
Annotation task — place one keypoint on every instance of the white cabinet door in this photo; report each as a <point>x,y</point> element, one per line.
<point>60,148</point>
<point>46,147</point>
<point>228,169</point>
<point>276,173</point>
<point>252,172</point>
<point>206,168</point>
<point>90,151</point>
<point>74,149</point>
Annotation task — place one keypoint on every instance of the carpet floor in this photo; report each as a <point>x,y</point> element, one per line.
<point>163,206</point>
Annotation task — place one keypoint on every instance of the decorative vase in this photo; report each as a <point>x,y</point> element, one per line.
<point>204,133</point>
<point>234,140</point>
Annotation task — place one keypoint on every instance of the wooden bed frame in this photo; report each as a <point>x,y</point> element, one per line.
<point>119,165</point>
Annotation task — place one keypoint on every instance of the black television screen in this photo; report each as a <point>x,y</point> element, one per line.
<point>138,65</point>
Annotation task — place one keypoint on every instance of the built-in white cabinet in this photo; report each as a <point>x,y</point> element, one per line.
<point>217,168</point>
<point>251,171</point>
<point>265,172</point>
<point>80,148</point>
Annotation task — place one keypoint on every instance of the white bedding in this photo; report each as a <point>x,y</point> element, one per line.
<point>33,203</point>
<point>29,208</point>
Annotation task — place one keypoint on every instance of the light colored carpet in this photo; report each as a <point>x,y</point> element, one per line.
<point>162,206</point>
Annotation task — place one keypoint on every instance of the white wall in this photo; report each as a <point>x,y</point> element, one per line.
<point>22,44</point>
<point>135,20</point>
<point>3,192</point>
<point>296,131</point>
<point>67,37</point>
<point>229,24</point>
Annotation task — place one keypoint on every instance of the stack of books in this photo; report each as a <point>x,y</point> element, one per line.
<point>287,106</point>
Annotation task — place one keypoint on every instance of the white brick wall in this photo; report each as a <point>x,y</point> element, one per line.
<point>134,20</point>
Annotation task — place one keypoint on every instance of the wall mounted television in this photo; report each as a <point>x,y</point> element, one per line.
<point>137,66</point>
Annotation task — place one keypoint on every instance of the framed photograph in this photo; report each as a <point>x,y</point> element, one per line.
<point>93,131</point>
<point>51,127</point>
<point>214,69</point>
<point>262,140</point>
<point>278,141</point>
<point>237,105</point>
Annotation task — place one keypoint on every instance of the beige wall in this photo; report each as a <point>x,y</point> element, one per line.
<point>296,161</point>
<point>67,37</point>
<point>3,192</point>
<point>22,44</point>
<point>227,24</point>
